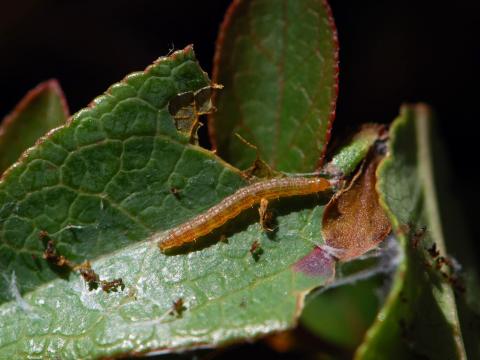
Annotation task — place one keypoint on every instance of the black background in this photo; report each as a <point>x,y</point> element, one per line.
<point>391,52</point>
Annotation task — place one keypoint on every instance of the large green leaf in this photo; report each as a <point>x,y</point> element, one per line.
<point>102,186</point>
<point>41,110</point>
<point>278,63</point>
<point>419,317</point>
<point>103,181</point>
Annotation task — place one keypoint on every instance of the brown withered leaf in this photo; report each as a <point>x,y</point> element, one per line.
<point>353,220</point>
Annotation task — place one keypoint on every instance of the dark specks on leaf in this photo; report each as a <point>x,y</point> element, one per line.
<point>433,251</point>
<point>446,267</point>
<point>93,279</point>
<point>178,308</point>
<point>50,254</point>
<point>256,250</point>
<point>418,236</point>
<point>175,192</point>
<point>43,235</point>
<point>85,269</point>
<point>113,285</point>
<point>89,275</point>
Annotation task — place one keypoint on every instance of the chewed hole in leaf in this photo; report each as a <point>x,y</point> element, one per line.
<point>188,106</point>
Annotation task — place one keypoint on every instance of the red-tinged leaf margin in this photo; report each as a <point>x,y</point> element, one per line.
<point>229,14</point>
<point>9,120</point>
<point>51,84</point>
<point>336,71</point>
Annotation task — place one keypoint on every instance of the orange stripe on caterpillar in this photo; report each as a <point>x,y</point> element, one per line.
<point>239,201</point>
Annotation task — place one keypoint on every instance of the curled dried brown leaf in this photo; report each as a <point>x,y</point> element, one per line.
<point>353,220</point>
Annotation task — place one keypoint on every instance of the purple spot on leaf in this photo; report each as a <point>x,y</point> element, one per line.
<point>318,263</point>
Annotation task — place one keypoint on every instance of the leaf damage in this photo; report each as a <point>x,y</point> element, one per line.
<point>62,264</point>
<point>187,107</point>
<point>353,220</point>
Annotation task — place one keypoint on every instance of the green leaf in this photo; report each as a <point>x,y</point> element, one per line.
<point>419,317</point>
<point>343,314</point>
<point>102,186</point>
<point>104,180</point>
<point>278,61</point>
<point>348,157</point>
<point>42,109</point>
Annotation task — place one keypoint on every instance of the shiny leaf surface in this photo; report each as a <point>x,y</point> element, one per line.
<point>278,62</point>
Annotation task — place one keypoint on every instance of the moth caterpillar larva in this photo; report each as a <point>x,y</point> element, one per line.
<point>239,201</point>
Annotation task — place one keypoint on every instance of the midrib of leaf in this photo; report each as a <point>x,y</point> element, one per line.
<point>425,158</point>
<point>409,299</point>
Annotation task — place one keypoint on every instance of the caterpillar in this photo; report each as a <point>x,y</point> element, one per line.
<point>242,199</point>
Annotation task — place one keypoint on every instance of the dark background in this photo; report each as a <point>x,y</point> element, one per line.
<point>391,52</point>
